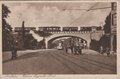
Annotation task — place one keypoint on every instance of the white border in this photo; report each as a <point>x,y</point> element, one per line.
<point>70,76</point>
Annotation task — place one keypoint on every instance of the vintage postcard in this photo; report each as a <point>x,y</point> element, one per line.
<point>60,39</point>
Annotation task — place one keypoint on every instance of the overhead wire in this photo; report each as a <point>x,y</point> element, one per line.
<point>86,10</point>
<point>83,14</point>
<point>91,8</point>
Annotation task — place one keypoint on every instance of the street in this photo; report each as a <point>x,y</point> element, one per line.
<point>53,61</point>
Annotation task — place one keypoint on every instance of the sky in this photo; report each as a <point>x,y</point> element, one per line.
<point>57,14</point>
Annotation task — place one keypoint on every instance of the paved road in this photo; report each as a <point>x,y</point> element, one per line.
<point>58,62</point>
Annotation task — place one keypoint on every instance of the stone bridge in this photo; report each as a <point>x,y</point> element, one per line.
<point>86,35</point>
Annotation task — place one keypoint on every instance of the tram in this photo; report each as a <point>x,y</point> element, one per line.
<point>70,28</point>
<point>60,46</point>
<point>50,29</point>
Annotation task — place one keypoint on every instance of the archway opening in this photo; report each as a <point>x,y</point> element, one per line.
<point>53,43</point>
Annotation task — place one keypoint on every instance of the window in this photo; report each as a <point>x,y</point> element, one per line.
<point>114,19</point>
<point>114,6</point>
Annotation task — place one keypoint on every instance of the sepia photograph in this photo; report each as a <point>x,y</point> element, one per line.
<point>59,37</point>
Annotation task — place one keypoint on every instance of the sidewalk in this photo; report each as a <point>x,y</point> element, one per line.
<point>26,51</point>
<point>88,51</point>
<point>7,54</point>
<point>92,52</point>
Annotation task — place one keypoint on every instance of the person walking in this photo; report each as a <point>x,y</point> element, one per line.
<point>101,50</point>
<point>72,45</point>
<point>14,49</point>
<point>80,47</point>
<point>107,51</point>
<point>66,46</point>
<point>77,47</point>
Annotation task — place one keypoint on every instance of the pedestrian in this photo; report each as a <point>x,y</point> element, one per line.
<point>66,46</point>
<point>80,47</point>
<point>14,49</point>
<point>77,47</point>
<point>107,51</point>
<point>72,45</point>
<point>84,45</point>
<point>101,50</point>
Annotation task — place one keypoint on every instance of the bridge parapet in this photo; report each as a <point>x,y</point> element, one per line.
<point>71,32</point>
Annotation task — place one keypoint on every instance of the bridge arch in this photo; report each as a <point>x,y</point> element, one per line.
<point>85,37</point>
<point>51,40</point>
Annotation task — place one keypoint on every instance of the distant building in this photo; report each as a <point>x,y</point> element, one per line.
<point>113,17</point>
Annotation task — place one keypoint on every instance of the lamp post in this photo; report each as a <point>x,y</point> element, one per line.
<point>23,34</point>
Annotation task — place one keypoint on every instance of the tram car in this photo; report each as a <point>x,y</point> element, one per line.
<point>50,29</point>
<point>27,29</point>
<point>85,28</point>
<point>70,28</point>
<point>60,46</point>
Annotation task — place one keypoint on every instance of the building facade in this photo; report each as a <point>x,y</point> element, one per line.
<point>113,32</point>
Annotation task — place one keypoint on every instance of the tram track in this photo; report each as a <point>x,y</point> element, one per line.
<point>63,63</point>
<point>73,66</point>
<point>92,62</point>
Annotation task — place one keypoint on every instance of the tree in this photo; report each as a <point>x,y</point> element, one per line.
<point>30,42</point>
<point>107,24</point>
<point>105,39</point>
<point>94,45</point>
<point>6,28</point>
<point>23,34</point>
<point>21,37</point>
<point>43,34</point>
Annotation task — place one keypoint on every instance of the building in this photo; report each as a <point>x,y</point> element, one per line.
<point>113,33</point>
<point>110,28</point>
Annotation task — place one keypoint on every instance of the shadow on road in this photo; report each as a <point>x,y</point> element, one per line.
<point>25,56</point>
<point>7,60</point>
